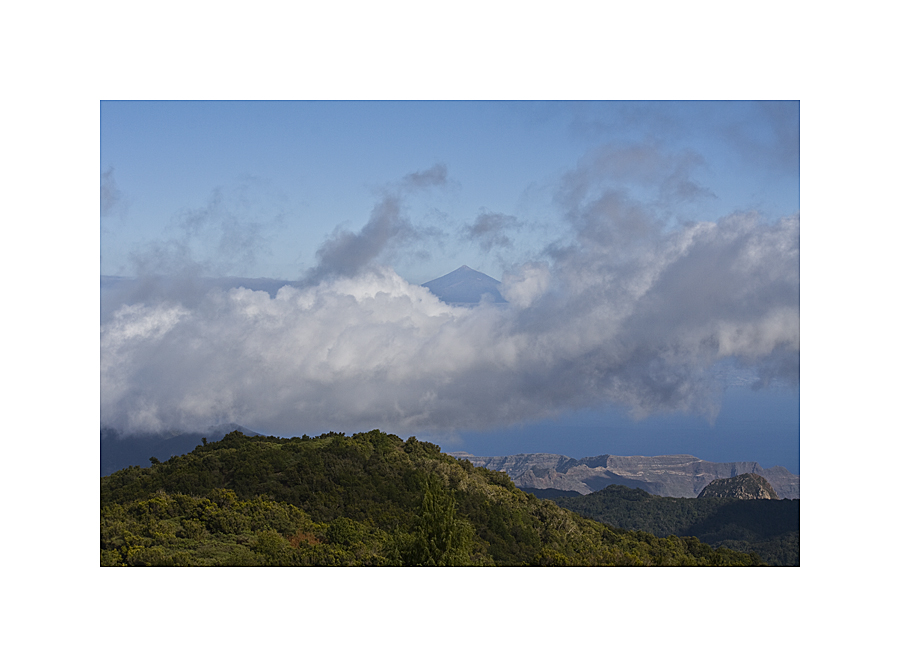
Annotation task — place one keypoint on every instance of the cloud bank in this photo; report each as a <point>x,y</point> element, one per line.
<point>642,323</point>
<point>631,306</point>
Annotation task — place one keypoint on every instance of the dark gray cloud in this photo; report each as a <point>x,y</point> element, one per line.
<point>388,230</point>
<point>347,253</point>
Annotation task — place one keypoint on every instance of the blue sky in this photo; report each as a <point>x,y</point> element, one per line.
<point>651,251</point>
<point>300,169</point>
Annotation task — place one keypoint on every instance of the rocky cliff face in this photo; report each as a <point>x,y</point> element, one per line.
<point>748,486</point>
<point>679,476</point>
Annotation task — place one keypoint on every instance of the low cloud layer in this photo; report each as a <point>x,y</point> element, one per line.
<point>631,306</point>
<point>645,325</point>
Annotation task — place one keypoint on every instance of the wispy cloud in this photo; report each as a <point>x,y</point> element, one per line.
<point>492,230</point>
<point>111,198</point>
<point>228,233</point>
<point>774,142</point>
<point>660,179</point>
<point>436,175</point>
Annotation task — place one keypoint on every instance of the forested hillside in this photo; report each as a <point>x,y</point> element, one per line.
<point>370,499</point>
<point>770,528</point>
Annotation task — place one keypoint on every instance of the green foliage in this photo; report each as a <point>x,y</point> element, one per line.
<point>768,528</point>
<point>440,538</point>
<point>496,477</point>
<point>369,499</point>
<point>274,549</point>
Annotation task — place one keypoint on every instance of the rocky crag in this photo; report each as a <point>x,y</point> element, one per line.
<point>677,476</point>
<point>748,486</point>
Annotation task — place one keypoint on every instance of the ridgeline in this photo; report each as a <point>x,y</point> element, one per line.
<point>369,499</point>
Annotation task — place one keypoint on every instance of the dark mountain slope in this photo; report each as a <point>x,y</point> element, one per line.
<point>372,499</point>
<point>770,528</point>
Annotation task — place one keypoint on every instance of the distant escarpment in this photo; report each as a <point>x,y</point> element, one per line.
<point>748,486</point>
<point>676,476</point>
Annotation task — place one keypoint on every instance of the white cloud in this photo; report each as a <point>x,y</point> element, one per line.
<point>528,283</point>
<point>634,309</point>
<point>644,328</point>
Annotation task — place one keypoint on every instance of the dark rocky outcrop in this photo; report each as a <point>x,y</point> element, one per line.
<point>748,486</point>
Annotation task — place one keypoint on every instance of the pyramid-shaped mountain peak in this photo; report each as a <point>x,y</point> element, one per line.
<point>466,286</point>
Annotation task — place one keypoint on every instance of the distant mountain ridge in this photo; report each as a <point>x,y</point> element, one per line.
<point>466,286</point>
<point>129,285</point>
<point>677,476</point>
